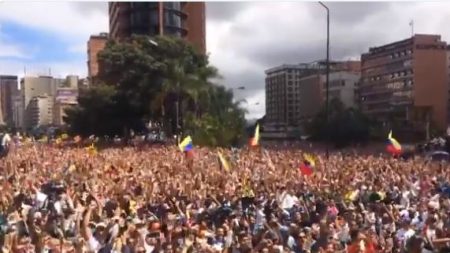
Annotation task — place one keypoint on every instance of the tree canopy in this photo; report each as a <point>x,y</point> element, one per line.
<point>144,79</point>
<point>345,125</point>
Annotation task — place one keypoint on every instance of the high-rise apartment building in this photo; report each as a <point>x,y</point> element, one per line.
<point>181,19</point>
<point>31,86</point>
<point>43,91</point>
<point>8,89</point>
<point>95,44</point>
<point>283,93</point>
<point>18,111</point>
<point>40,111</point>
<point>406,82</point>
<point>295,93</point>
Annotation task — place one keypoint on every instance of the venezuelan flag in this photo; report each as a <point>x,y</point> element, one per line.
<point>223,162</point>
<point>307,167</point>
<point>255,140</point>
<point>186,144</point>
<point>393,146</point>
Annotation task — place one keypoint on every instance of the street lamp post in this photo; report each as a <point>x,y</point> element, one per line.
<point>327,77</point>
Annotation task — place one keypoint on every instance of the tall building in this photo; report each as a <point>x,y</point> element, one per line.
<point>95,44</point>
<point>406,83</point>
<point>59,111</point>
<point>8,89</point>
<point>295,93</point>
<point>18,111</point>
<point>40,111</point>
<point>31,86</point>
<point>282,92</point>
<point>43,91</point>
<point>181,19</point>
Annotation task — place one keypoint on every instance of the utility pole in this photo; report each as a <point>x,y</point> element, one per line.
<point>327,79</point>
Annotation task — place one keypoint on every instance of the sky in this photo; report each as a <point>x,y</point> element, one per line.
<point>243,38</point>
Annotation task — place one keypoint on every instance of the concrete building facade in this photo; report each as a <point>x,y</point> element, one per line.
<point>8,89</point>
<point>295,93</point>
<point>181,19</point>
<point>283,93</point>
<point>18,112</point>
<point>40,111</point>
<point>95,44</point>
<point>31,86</point>
<point>406,82</point>
<point>59,111</point>
<point>43,91</point>
<point>343,86</point>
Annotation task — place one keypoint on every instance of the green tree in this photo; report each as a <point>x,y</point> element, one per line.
<point>142,80</point>
<point>222,122</point>
<point>345,125</point>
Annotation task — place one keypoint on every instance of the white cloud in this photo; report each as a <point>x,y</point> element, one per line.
<point>80,48</point>
<point>8,50</point>
<point>245,39</point>
<point>61,18</point>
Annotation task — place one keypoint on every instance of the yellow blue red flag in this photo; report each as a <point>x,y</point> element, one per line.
<point>186,145</point>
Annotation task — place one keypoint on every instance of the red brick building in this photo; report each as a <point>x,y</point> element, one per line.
<point>95,44</point>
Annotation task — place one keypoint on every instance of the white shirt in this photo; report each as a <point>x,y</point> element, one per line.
<point>94,245</point>
<point>403,235</point>
<point>260,218</point>
<point>6,139</point>
<point>289,201</point>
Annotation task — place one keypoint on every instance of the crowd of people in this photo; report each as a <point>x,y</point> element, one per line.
<point>155,199</point>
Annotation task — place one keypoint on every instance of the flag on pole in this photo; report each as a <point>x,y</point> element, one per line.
<point>393,146</point>
<point>307,167</point>
<point>255,140</point>
<point>224,163</point>
<point>186,145</point>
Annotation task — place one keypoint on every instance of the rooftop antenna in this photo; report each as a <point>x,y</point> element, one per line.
<point>411,23</point>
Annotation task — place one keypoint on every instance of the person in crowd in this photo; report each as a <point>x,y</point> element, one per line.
<point>155,199</point>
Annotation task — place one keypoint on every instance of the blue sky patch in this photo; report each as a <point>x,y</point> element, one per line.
<point>38,45</point>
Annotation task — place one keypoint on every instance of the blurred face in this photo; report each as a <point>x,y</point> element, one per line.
<point>169,249</point>
<point>220,232</point>
<point>246,242</point>
<point>101,232</point>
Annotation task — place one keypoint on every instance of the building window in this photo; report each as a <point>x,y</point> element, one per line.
<point>173,5</point>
